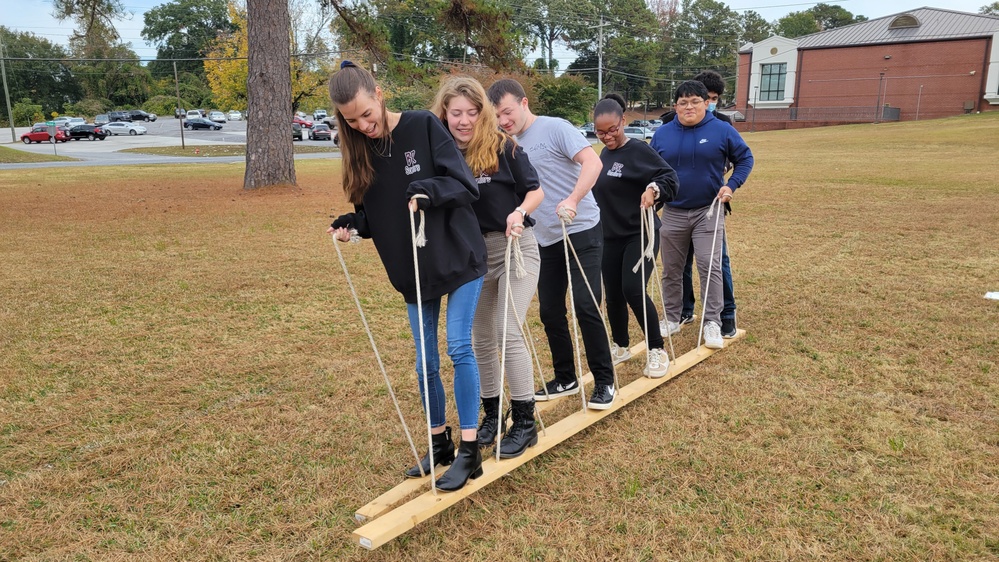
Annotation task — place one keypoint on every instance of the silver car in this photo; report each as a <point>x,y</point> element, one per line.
<point>124,128</point>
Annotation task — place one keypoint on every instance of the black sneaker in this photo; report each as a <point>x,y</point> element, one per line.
<point>556,389</point>
<point>728,328</point>
<point>602,398</point>
<point>686,318</point>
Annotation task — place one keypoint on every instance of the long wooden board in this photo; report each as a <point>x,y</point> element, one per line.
<point>385,502</point>
<point>403,518</point>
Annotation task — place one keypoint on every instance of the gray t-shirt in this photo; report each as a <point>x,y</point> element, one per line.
<point>551,143</point>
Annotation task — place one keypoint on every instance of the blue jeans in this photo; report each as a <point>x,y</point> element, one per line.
<point>461,304</point>
<point>728,295</point>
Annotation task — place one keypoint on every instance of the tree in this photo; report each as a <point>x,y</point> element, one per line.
<point>270,158</point>
<point>567,96</point>
<point>754,28</point>
<point>796,24</point>
<point>227,70</point>
<point>830,17</point>
<point>184,29</point>
<point>121,79</point>
<point>550,21</point>
<point>48,83</point>
<point>990,9</point>
<point>706,35</point>
<point>95,21</point>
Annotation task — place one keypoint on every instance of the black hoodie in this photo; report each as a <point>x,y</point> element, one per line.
<point>424,159</point>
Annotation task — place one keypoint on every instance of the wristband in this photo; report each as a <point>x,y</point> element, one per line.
<point>521,211</point>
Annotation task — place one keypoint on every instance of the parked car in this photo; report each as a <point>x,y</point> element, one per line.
<point>336,137</point>
<point>319,115</point>
<point>139,115</point>
<point>179,113</point>
<point>296,132</point>
<point>41,134</point>
<point>123,128</point>
<point>115,116</point>
<point>201,123</point>
<point>321,132</point>
<point>60,121</point>
<point>193,114</point>
<point>101,119</point>
<point>74,121</point>
<point>640,133</point>
<point>639,123</point>
<point>90,132</point>
<point>588,130</point>
<point>302,121</point>
<point>235,115</point>
<point>217,116</point>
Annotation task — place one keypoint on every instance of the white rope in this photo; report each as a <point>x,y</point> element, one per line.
<point>662,301</point>
<point>378,357</point>
<point>711,263</point>
<point>423,351</point>
<point>421,236</point>
<point>506,312</point>
<point>564,215</point>
<point>648,227</point>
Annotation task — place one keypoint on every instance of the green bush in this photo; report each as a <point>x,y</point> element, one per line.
<point>162,106</point>
<point>87,108</point>
<point>567,96</point>
<point>27,113</point>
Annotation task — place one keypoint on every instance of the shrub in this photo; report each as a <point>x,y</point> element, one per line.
<point>88,107</point>
<point>27,113</point>
<point>160,105</point>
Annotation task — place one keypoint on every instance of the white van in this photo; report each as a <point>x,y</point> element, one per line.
<point>194,114</point>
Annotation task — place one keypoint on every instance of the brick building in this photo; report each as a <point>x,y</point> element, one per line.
<point>920,64</point>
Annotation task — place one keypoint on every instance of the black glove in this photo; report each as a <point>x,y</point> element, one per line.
<point>423,203</point>
<point>343,221</point>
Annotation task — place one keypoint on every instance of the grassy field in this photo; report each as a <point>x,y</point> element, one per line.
<point>184,375</point>
<point>15,156</point>
<point>209,150</point>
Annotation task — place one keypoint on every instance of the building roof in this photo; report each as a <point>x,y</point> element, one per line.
<point>934,24</point>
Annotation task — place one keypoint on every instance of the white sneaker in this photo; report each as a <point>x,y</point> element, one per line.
<point>667,327</point>
<point>657,365</point>
<point>712,336</point>
<point>619,354</point>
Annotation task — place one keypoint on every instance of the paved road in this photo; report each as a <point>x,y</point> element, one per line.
<point>163,132</point>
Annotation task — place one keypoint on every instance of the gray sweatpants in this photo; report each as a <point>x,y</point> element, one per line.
<point>487,328</point>
<point>681,227</point>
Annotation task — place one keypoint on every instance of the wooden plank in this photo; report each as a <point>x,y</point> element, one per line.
<point>406,488</point>
<point>403,518</point>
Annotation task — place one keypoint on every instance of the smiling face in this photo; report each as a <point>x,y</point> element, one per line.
<point>512,114</point>
<point>610,130</point>
<point>365,114</point>
<point>461,116</point>
<point>690,110</point>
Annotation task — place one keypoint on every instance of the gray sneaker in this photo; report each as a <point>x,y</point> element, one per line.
<point>620,354</point>
<point>667,327</point>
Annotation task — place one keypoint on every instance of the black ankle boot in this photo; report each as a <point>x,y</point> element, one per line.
<point>443,454</point>
<point>468,464</point>
<point>523,433</point>
<point>487,428</point>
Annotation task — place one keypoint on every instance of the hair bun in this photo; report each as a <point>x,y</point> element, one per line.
<point>347,63</point>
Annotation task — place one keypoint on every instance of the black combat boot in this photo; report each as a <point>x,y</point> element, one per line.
<point>443,454</point>
<point>523,433</point>
<point>468,464</point>
<point>487,428</point>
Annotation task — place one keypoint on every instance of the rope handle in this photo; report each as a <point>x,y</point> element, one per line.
<point>421,235</point>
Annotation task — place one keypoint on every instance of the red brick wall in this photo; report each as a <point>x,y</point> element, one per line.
<point>741,98</point>
<point>850,76</point>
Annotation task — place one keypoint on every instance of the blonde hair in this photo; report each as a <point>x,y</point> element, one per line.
<point>358,171</point>
<point>482,153</point>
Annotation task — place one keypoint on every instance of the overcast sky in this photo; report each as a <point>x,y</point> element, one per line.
<point>35,16</point>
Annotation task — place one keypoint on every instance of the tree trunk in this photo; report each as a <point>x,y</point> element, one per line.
<point>270,154</point>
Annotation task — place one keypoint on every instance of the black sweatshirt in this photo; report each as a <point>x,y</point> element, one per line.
<point>627,171</point>
<point>504,190</point>
<point>423,159</point>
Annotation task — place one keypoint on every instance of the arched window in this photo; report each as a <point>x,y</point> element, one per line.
<point>903,22</point>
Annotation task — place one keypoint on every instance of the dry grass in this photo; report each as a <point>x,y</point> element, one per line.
<point>15,156</point>
<point>209,150</point>
<point>184,376</point>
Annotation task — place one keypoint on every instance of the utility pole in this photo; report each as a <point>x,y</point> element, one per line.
<point>600,56</point>
<point>877,106</point>
<point>176,85</point>
<point>6,91</point>
<point>919,98</point>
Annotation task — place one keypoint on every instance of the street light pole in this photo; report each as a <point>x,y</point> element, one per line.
<point>919,98</point>
<point>600,56</point>
<point>756,100</point>
<point>877,106</point>
<point>176,85</point>
<point>6,91</point>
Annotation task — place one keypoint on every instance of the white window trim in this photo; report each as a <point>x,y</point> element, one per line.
<point>787,52</point>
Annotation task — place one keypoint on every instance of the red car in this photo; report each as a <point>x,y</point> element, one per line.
<point>303,122</point>
<point>40,133</point>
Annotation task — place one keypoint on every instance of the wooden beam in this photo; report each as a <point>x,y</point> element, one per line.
<point>403,518</point>
<point>385,502</point>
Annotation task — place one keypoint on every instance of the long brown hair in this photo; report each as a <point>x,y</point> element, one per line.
<point>488,140</point>
<point>358,171</point>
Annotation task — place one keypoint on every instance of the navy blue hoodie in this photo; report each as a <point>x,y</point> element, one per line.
<point>698,154</point>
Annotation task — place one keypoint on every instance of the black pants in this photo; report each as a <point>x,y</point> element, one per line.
<point>626,288</point>
<point>552,288</point>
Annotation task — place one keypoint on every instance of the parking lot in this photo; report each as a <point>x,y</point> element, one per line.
<point>162,132</point>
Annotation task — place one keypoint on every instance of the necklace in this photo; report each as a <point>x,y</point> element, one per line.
<point>382,147</point>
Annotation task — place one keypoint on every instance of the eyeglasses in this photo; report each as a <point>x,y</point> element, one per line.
<point>688,103</point>
<point>609,132</point>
